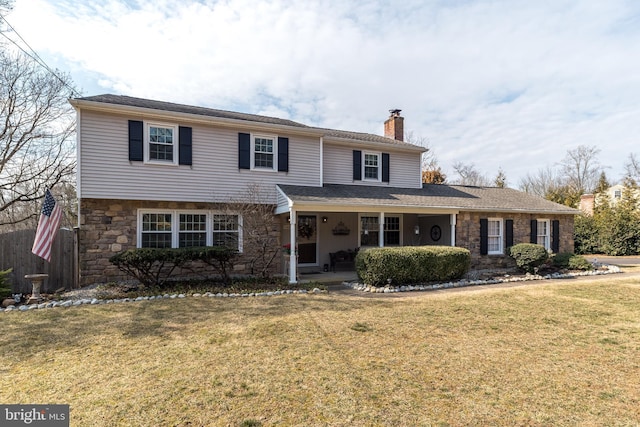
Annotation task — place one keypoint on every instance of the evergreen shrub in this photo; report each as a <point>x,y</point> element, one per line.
<point>528,256</point>
<point>411,264</point>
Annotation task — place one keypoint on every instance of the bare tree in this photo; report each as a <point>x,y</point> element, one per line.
<point>501,179</point>
<point>36,128</point>
<point>259,229</point>
<point>469,175</point>
<point>581,169</point>
<point>632,168</point>
<point>542,182</point>
<point>431,171</point>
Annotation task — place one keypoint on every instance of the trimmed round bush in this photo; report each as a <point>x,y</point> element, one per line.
<point>411,264</point>
<point>528,256</point>
<point>571,261</point>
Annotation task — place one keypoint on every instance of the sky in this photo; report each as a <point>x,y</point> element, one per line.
<point>500,84</point>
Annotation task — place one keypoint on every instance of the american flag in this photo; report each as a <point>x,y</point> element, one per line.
<point>47,227</point>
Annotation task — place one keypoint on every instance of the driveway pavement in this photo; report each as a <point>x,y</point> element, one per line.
<point>615,260</point>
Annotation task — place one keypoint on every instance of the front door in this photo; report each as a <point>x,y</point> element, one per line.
<point>307,239</point>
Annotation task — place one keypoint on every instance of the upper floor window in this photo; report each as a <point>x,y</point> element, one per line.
<point>264,148</point>
<point>494,236</point>
<point>372,166</point>
<point>617,194</point>
<point>544,233</point>
<point>161,143</point>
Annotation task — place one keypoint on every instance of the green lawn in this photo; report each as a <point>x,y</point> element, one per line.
<point>564,353</point>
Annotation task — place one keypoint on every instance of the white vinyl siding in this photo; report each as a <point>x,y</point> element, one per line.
<point>105,171</point>
<point>404,170</point>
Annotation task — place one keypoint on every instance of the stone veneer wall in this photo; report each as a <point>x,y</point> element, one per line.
<point>110,226</point>
<point>468,235</point>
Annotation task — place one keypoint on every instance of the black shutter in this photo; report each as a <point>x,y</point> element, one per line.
<point>508,233</point>
<point>184,146</point>
<point>244,151</point>
<point>357,165</point>
<point>534,231</point>
<point>555,238</point>
<point>484,236</point>
<point>283,154</point>
<point>385,167</point>
<point>135,141</point>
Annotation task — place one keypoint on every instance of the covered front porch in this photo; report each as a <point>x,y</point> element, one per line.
<point>322,232</point>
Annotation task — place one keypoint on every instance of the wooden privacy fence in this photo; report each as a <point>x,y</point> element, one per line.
<point>15,253</point>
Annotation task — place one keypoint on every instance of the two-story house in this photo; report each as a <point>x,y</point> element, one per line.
<point>159,174</point>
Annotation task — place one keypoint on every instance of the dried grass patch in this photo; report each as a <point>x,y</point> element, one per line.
<point>532,355</point>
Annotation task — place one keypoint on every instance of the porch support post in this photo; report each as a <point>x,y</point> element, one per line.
<point>381,230</point>
<point>293,258</point>
<point>453,229</point>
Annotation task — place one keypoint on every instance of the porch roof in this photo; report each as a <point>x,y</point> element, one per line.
<point>431,198</point>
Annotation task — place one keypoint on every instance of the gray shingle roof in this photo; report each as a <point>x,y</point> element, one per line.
<point>458,197</point>
<point>210,112</point>
<point>180,108</point>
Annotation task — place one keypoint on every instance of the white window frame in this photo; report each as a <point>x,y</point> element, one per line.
<point>546,236</point>
<point>499,236</point>
<point>147,143</point>
<point>379,166</point>
<point>212,231</point>
<point>191,212</point>
<point>274,138</point>
<point>141,232</point>
<point>175,224</point>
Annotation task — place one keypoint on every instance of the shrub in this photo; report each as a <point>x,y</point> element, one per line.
<point>5,286</point>
<point>528,256</point>
<point>571,261</point>
<point>411,264</point>
<point>153,267</point>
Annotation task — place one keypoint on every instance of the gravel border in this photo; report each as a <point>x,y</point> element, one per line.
<point>610,269</point>
<point>75,302</point>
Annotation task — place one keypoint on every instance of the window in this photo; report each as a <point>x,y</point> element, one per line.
<point>156,230</point>
<point>391,230</point>
<point>543,233</point>
<point>494,236</point>
<point>175,229</point>
<point>264,152</point>
<point>193,230</point>
<point>162,143</point>
<point>225,231</point>
<point>369,231</point>
<point>372,166</point>
<point>617,194</point>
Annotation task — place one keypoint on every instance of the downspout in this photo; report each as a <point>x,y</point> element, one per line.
<point>381,230</point>
<point>453,229</point>
<point>321,161</point>
<point>293,257</point>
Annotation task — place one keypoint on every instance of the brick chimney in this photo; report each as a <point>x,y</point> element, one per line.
<point>587,202</point>
<point>394,126</point>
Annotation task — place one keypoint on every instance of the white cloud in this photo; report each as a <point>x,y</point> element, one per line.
<point>511,84</point>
